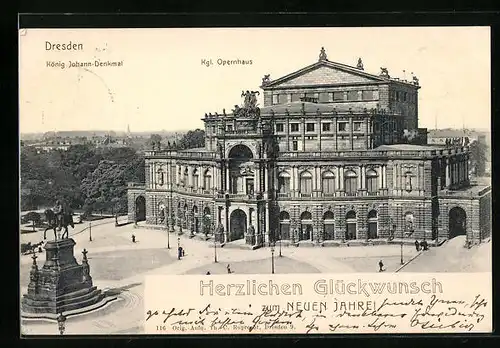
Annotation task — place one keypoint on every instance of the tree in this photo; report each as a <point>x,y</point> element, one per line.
<point>193,139</point>
<point>154,141</point>
<point>34,217</point>
<point>478,157</point>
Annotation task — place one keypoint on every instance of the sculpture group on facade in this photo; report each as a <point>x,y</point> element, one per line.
<point>249,108</point>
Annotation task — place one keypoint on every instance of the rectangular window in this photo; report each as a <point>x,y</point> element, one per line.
<point>324,97</point>
<point>275,99</point>
<point>367,95</point>
<point>356,126</point>
<point>229,127</point>
<point>342,126</point>
<point>338,95</point>
<point>310,127</point>
<point>296,97</point>
<point>352,95</point>
<point>279,127</point>
<point>326,127</point>
<point>295,146</point>
<point>294,127</point>
<point>405,96</point>
<point>283,98</point>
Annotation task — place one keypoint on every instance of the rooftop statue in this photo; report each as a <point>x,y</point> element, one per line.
<point>322,54</point>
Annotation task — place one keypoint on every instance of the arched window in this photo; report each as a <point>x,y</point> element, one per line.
<point>160,177</point>
<point>305,184</point>
<point>305,226</point>
<point>328,183</point>
<point>351,225</point>
<point>207,180</point>
<point>328,226</point>
<point>284,226</point>
<point>371,181</point>
<point>195,179</point>
<point>284,183</point>
<point>351,182</point>
<point>372,224</point>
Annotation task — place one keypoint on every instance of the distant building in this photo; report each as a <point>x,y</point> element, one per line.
<point>325,161</point>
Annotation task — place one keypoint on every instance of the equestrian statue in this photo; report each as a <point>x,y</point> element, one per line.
<point>58,218</point>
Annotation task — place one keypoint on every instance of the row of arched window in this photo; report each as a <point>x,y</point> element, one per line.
<point>328,182</point>
<point>183,177</point>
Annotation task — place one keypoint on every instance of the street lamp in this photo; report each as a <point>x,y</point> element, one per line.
<point>90,231</point>
<point>61,322</point>
<point>168,232</point>
<point>178,248</point>
<point>280,244</point>
<point>215,246</point>
<point>402,236</point>
<point>272,258</point>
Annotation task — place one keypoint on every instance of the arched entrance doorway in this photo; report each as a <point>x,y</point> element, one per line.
<point>351,225</point>
<point>306,226</point>
<point>238,225</point>
<point>241,170</point>
<point>140,208</point>
<point>457,222</point>
<point>284,226</point>
<point>372,224</point>
<point>328,226</point>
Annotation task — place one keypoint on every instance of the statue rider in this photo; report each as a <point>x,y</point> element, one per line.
<point>58,210</point>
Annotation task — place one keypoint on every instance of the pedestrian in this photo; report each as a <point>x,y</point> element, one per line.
<point>183,252</point>
<point>133,238</point>
<point>380,266</point>
<point>179,253</point>
<point>417,245</point>
<point>228,269</point>
<point>208,272</point>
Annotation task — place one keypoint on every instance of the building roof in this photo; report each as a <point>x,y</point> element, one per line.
<point>308,107</point>
<point>324,62</point>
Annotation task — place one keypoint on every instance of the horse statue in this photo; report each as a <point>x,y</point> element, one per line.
<point>67,220</point>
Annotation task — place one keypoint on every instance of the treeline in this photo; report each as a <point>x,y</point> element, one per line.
<point>88,178</point>
<point>83,177</point>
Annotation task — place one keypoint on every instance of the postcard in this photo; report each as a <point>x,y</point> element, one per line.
<point>255,181</point>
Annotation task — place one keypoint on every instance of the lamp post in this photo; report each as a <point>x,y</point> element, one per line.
<point>90,231</point>
<point>215,246</point>
<point>402,236</point>
<point>168,232</point>
<point>272,258</point>
<point>280,244</point>
<point>61,322</point>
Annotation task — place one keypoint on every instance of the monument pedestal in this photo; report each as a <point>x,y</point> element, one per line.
<point>62,284</point>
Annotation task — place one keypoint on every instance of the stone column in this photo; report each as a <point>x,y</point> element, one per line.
<point>380,177</point>
<point>341,177</point>
<point>447,173</point>
<point>384,176</point>
<point>228,180</point>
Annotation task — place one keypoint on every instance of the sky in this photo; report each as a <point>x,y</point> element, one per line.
<point>163,85</point>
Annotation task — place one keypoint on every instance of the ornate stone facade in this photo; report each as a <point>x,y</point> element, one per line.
<point>324,158</point>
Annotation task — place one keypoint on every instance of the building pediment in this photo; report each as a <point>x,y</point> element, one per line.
<point>324,73</point>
